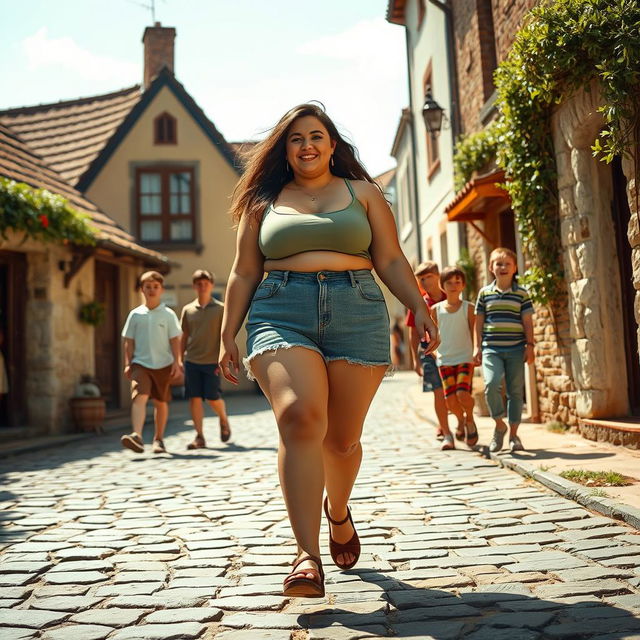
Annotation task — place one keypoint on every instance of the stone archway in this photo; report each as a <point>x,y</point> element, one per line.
<point>590,260</point>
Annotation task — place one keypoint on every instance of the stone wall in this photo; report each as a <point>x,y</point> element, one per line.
<point>633,233</point>
<point>507,19</point>
<point>59,347</point>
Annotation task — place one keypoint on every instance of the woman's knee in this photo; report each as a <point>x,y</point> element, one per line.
<point>341,447</point>
<point>301,422</point>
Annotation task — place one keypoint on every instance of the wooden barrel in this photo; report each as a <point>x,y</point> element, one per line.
<point>88,413</point>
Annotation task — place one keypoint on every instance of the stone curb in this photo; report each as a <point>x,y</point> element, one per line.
<point>567,489</point>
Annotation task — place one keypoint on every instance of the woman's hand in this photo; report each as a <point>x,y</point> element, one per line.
<point>425,326</point>
<point>229,360</point>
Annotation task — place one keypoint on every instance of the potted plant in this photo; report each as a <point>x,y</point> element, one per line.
<point>88,407</point>
<point>92,313</point>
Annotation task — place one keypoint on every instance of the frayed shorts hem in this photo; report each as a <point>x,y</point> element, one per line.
<point>286,345</point>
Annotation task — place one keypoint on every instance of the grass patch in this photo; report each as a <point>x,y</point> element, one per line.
<point>597,478</point>
<point>544,467</point>
<point>599,493</point>
<point>557,427</point>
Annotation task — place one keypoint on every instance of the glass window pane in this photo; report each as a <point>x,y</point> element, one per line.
<point>150,205</point>
<point>174,204</point>
<point>180,182</point>
<point>186,203</point>
<point>181,230</point>
<point>150,183</point>
<point>151,231</point>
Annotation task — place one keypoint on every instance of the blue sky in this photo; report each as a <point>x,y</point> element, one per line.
<point>244,61</point>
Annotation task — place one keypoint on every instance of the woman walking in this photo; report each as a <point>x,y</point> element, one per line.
<point>311,217</point>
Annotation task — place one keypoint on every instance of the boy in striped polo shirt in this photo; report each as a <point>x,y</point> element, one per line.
<point>504,342</point>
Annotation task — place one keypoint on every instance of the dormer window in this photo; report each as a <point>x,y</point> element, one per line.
<point>165,129</point>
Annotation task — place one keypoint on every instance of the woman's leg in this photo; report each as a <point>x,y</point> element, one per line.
<point>295,383</point>
<point>351,389</point>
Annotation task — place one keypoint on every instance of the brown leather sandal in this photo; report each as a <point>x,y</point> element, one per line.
<point>337,548</point>
<point>297,585</point>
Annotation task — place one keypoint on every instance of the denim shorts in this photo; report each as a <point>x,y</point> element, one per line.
<point>431,379</point>
<point>339,314</point>
<point>202,381</point>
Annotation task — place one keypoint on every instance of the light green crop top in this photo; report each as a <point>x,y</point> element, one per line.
<point>344,231</point>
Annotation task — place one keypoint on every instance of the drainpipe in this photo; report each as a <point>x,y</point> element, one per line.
<point>414,147</point>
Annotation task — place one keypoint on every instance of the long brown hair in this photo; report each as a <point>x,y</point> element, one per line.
<point>266,170</point>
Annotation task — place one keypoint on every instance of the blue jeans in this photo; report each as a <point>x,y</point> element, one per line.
<point>509,365</point>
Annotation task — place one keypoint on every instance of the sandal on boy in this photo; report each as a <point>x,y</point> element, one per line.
<point>460,432</point>
<point>197,443</point>
<point>225,431</point>
<point>471,437</point>
<point>336,549</point>
<point>297,585</point>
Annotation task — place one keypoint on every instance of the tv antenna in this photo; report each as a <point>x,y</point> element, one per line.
<point>149,6</point>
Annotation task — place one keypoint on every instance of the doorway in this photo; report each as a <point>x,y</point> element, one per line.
<point>106,335</point>
<point>13,278</point>
<point>621,217</point>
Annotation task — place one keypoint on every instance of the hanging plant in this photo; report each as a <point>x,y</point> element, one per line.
<point>563,46</point>
<point>92,313</point>
<point>42,215</point>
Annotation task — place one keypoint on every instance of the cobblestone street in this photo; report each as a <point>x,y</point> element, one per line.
<point>100,543</point>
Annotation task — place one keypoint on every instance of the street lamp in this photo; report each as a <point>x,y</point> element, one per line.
<point>432,113</point>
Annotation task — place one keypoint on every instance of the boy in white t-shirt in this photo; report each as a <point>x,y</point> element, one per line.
<point>455,318</point>
<point>152,357</point>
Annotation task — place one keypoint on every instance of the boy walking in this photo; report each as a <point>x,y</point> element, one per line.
<point>201,322</point>
<point>455,318</point>
<point>427,274</point>
<point>151,358</point>
<point>504,342</point>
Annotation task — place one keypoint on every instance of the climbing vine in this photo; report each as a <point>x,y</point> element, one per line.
<point>563,46</point>
<point>473,152</point>
<point>42,215</point>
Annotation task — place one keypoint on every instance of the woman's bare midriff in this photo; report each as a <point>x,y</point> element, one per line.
<point>310,261</point>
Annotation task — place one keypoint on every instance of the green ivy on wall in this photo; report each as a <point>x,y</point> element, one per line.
<point>42,215</point>
<point>563,46</point>
<point>473,152</point>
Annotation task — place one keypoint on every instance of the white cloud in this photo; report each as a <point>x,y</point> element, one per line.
<point>64,53</point>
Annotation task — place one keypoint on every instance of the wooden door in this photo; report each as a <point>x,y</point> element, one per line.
<point>13,276</point>
<point>621,216</point>
<point>107,334</point>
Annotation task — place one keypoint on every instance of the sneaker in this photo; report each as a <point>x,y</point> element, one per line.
<point>132,441</point>
<point>447,443</point>
<point>497,440</point>
<point>515,444</point>
<point>158,447</point>
<point>197,443</point>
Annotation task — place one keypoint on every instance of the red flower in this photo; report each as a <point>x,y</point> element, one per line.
<point>44,220</point>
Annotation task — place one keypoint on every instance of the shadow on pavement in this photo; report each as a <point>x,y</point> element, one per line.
<point>545,454</point>
<point>494,612</point>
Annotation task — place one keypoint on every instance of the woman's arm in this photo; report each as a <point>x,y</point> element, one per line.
<point>391,264</point>
<point>246,274</point>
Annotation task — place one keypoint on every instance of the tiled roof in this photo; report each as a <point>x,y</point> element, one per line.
<point>395,11</point>
<point>385,178</point>
<point>69,135</point>
<point>20,163</point>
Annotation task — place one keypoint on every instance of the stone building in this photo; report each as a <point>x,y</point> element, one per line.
<point>587,368</point>
<point>42,287</point>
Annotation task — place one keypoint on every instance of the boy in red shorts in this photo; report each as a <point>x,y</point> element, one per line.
<point>151,358</point>
<point>455,318</point>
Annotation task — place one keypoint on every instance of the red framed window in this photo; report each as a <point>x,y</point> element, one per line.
<point>165,129</point>
<point>165,205</point>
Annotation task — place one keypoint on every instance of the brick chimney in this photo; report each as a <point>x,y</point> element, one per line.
<point>158,51</point>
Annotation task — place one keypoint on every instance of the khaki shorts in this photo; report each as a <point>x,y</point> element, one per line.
<point>154,383</point>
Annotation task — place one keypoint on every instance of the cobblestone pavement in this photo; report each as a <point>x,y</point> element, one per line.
<point>100,543</point>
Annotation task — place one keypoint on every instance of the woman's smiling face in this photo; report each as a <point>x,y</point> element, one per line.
<point>309,147</point>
